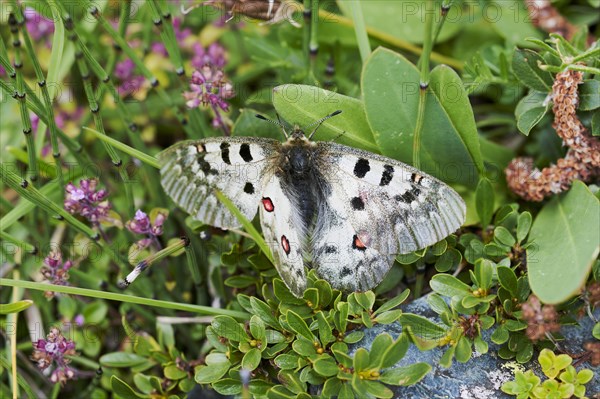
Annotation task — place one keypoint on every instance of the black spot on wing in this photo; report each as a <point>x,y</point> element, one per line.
<point>225,153</point>
<point>387,175</point>
<point>361,167</point>
<point>245,152</point>
<point>357,204</point>
<point>330,249</point>
<point>249,188</point>
<point>408,196</point>
<point>205,166</point>
<point>346,271</point>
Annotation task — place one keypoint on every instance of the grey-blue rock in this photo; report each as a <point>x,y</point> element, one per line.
<point>483,375</point>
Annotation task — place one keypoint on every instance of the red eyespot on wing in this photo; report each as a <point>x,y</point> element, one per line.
<point>285,244</point>
<point>268,204</point>
<point>358,244</point>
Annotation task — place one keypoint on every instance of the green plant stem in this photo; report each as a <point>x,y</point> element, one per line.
<point>164,22</point>
<point>313,45</point>
<point>444,8</point>
<point>41,80</point>
<point>25,246</point>
<point>95,110</point>
<point>360,30</point>
<point>204,310</point>
<point>21,96</point>
<point>306,15</point>
<point>147,159</point>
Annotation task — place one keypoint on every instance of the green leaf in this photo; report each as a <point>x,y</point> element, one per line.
<point>596,331</point>
<point>361,359</point>
<point>378,390</point>
<point>562,236</point>
<point>263,310</point>
<point>325,332</point>
<point>240,281</point>
<point>392,303</point>
<point>422,327</point>
<point>503,236</point>
<point>354,337</point>
<point>523,225</point>
<point>303,105</point>
<point>326,366</point>
<point>507,279</point>
<point>226,326</point>
<point>484,272</point>
<point>122,359</point>
<point>484,201</point>
<point>525,66</point>
<point>346,392</point>
<point>377,16</point>
<point>287,361</point>
<point>304,347</point>
<point>291,381</point>
<point>447,285</point>
<point>15,307</point>
<point>596,124</point>
<point>299,326</point>
<point>463,350</point>
<point>388,317</point>
<point>211,373</point>
<point>332,387</point>
<point>365,299</point>
<point>227,386</point>
<point>449,143</point>
<point>449,260</point>
<point>280,392</point>
<point>121,388</point>
<point>589,95</point>
<point>173,372</point>
<point>530,110</point>
<point>251,359</point>
<point>378,350</point>
<point>247,124</point>
<point>257,328</point>
<point>405,376</point>
<point>396,351</point>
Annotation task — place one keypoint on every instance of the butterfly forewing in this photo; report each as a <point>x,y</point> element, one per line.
<point>377,208</point>
<point>192,170</point>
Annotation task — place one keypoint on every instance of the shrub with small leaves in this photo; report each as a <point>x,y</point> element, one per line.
<point>563,380</point>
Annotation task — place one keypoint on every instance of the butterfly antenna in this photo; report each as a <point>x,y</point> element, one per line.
<point>320,121</point>
<point>277,122</point>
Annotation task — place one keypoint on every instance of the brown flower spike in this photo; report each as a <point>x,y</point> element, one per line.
<point>582,161</point>
<point>546,17</point>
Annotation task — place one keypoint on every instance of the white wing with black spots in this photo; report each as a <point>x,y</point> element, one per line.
<point>279,220</point>
<point>192,170</point>
<point>377,208</point>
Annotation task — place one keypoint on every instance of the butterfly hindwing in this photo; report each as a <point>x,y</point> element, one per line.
<point>279,222</point>
<point>377,207</point>
<point>192,170</point>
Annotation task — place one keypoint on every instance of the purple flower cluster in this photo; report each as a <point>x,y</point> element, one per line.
<point>129,82</point>
<point>209,87</point>
<point>55,348</point>
<point>55,271</point>
<point>141,224</point>
<point>213,55</point>
<point>38,26</point>
<point>87,201</point>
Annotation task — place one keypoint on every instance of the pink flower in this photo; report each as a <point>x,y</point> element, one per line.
<point>55,348</point>
<point>87,201</point>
